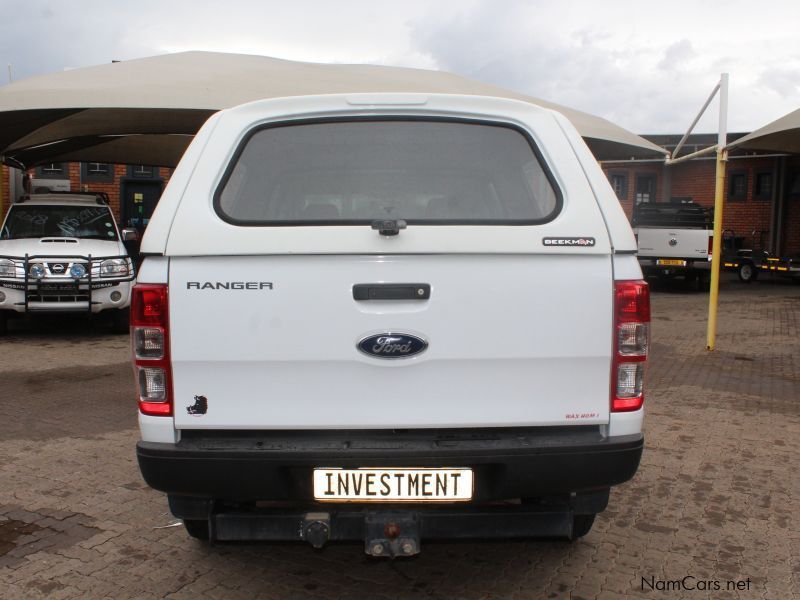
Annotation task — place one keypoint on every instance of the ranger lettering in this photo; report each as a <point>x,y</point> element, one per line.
<point>228,285</point>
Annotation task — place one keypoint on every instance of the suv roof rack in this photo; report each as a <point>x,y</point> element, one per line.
<point>100,197</point>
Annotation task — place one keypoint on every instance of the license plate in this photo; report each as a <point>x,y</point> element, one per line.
<point>57,288</point>
<point>393,485</point>
<point>670,262</point>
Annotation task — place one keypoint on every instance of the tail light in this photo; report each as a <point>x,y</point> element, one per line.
<point>631,344</point>
<point>710,246</point>
<point>150,339</point>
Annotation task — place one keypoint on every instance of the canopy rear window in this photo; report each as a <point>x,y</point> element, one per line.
<point>356,172</point>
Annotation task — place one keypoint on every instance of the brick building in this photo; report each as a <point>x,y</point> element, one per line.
<point>762,190</point>
<point>133,190</point>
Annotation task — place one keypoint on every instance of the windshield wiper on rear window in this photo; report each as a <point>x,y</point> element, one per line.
<point>389,226</point>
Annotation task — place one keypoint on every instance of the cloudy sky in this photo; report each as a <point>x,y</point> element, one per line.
<point>647,66</point>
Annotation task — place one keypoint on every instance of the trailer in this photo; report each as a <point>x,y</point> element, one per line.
<point>751,262</point>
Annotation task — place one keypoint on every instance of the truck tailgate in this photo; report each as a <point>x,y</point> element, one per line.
<point>654,242</point>
<point>512,341</point>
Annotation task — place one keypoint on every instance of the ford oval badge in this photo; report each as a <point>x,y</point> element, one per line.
<point>392,345</point>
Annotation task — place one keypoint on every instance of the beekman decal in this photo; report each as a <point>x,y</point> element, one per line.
<point>587,242</point>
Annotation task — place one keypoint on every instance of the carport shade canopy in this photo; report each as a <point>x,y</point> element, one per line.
<point>172,95</point>
<point>782,135</point>
<point>142,149</point>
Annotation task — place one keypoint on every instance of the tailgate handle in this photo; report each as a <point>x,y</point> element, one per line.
<point>391,291</point>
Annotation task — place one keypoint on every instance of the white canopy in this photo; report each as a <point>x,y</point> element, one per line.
<point>176,93</point>
<point>782,135</point>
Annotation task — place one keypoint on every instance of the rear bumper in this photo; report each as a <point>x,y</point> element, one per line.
<point>278,466</point>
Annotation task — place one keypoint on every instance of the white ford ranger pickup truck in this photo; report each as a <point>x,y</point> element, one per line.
<point>62,253</point>
<point>389,318</point>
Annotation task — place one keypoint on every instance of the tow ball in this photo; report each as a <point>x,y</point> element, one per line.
<point>391,534</point>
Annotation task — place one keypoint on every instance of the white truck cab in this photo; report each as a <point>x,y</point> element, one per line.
<point>386,317</point>
<point>62,253</point>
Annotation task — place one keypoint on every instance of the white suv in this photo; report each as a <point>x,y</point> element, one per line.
<point>386,318</point>
<point>62,252</point>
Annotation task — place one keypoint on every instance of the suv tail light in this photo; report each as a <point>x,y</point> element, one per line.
<point>710,246</point>
<point>150,340</point>
<point>631,344</point>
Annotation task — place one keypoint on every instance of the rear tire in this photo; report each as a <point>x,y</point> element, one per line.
<point>581,525</point>
<point>3,323</point>
<point>747,272</point>
<point>196,528</point>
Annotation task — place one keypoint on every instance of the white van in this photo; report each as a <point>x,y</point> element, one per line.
<point>386,318</point>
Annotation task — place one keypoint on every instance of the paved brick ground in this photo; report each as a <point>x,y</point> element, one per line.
<point>717,496</point>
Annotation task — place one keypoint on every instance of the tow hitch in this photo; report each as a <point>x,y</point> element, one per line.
<point>392,534</point>
<point>386,534</point>
<point>317,529</point>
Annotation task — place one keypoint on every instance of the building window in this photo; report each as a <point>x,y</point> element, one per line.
<point>97,169</point>
<point>794,188</point>
<point>737,186</point>
<point>763,190</point>
<point>645,188</point>
<point>141,171</point>
<point>97,172</point>
<point>52,171</point>
<point>619,182</point>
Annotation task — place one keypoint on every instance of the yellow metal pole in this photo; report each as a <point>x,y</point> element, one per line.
<point>716,258</point>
